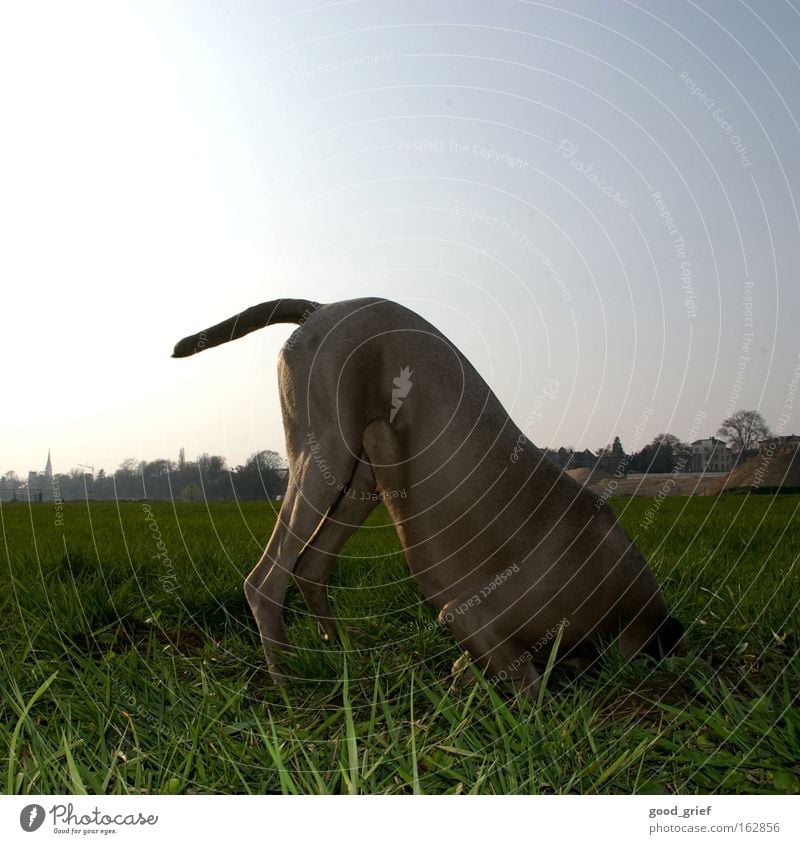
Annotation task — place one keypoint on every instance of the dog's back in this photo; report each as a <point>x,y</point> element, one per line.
<point>469,494</point>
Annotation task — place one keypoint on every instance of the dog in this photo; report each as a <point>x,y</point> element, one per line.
<point>378,405</point>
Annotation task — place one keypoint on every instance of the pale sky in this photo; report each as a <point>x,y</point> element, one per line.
<point>603,194</point>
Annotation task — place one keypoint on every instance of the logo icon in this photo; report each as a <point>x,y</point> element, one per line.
<point>31,817</point>
<point>402,388</point>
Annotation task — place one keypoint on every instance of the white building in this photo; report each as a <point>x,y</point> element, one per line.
<point>711,455</point>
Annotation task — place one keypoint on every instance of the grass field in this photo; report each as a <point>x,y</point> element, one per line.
<point>124,672</point>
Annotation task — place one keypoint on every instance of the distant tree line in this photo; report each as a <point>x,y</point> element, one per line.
<point>261,477</point>
<point>666,453</point>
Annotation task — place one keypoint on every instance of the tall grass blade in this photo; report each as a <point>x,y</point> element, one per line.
<point>12,751</point>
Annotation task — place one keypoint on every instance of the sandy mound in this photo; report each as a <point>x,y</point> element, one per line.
<point>651,485</point>
<point>661,485</point>
<point>777,466</point>
<point>773,468</point>
<point>589,475</point>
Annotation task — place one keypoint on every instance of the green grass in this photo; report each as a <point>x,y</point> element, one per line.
<point>123,673</point>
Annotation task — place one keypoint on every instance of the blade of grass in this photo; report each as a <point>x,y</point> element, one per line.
<point>350,733</point>
<point>414,764</point>
<point>549,667</point>
<point>76,781</point>
<point>12,751</point>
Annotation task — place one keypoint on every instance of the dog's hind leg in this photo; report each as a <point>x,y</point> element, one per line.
<point>302,516</point>
<point>314,568</point>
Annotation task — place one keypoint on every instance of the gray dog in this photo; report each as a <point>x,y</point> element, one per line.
<point>379,406</point>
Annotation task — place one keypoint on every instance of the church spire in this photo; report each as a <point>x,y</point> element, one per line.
<point>48,469</point>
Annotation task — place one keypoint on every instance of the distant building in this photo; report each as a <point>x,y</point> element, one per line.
<point>569,459</point>
<point>37,488</point>
<point>790,441</point>
<point>710,455</point>
<point>552,456</point>
<point>584,459</point>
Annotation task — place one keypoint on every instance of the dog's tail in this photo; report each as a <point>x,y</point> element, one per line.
<point>259,316</point>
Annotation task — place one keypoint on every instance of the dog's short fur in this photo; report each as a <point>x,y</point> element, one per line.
<point>379,405</point>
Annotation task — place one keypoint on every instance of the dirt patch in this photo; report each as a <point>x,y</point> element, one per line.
<point>653,484</point>
<point>648,700</point>
<point>135,634</point>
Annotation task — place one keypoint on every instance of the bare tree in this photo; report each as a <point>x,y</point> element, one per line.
<point>743,430</point>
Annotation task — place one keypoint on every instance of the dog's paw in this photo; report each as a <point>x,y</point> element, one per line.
<point>460,665</point>
<point>460,671</point>
<point>351,634</point>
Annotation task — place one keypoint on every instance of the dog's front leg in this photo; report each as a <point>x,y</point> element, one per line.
<point>481,631</point>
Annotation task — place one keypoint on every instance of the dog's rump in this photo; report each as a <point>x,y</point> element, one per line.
<point>258,316</point>
<point>369,385</point>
